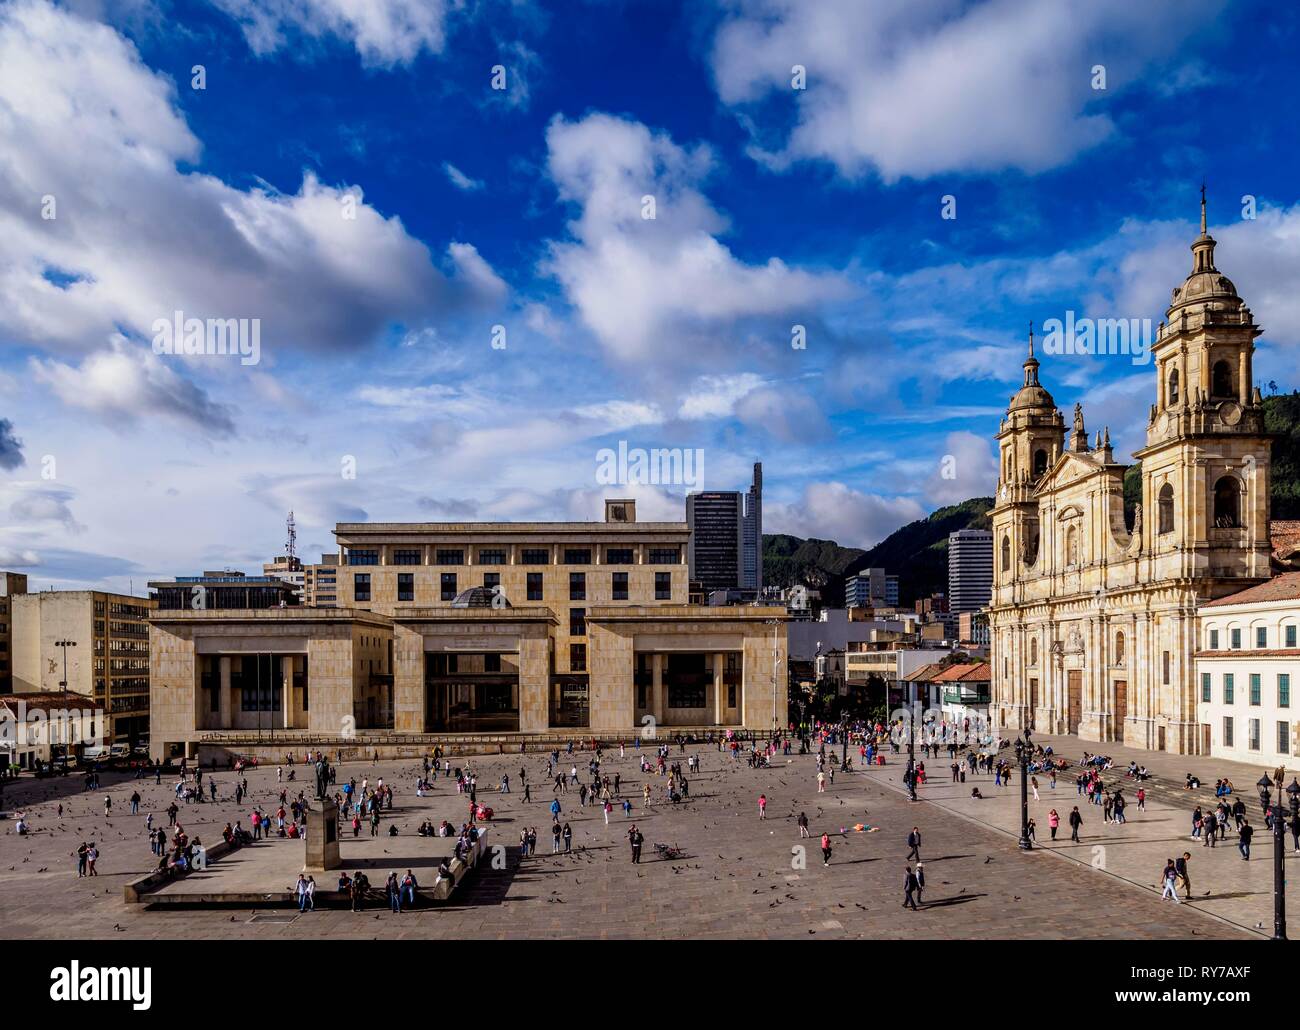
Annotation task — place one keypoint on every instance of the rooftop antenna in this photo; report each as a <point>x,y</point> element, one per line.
<point>291,545</point>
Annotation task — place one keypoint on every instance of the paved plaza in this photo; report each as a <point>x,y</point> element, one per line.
<point>738,878</point>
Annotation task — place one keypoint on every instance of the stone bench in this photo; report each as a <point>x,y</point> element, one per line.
<point>132,890</point>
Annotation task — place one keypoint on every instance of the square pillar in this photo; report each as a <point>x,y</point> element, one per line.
<point>223,691</point>
<point>719,690</point>
<point>286,691</point>
<point>657,687</point>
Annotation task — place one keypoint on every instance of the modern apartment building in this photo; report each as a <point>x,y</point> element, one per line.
<point>477,628</point>
<point>11,583</point>
<point>871,588</point>
<point>1247,666</point>
<point>106,653</point>
<point>320,582</point>
<point>970,570</point>
<point>288,568</point>
<point>222,590</point>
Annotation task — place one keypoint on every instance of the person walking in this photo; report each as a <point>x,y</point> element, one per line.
<point>1033,784</point>
<point>909,889</point>
<point>1076,821</point>
<point>1170,880</point>
<point>803,825</point>
<point>826,849</point>
<point>567,834</point>
<point>1053,822</point>
<point>762,806</point>
<point>636,839</point>
<point>919,872</point>
<point>1184,873</point>
<point>914,844</point>
<point>83,850</point>
<point>1243,839</point>
<point>394,892</point>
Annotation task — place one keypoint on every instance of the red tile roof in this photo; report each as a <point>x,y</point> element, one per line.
<point>1285,587</point>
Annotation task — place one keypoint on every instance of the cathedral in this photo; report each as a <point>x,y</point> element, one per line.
<point>1093,616</point>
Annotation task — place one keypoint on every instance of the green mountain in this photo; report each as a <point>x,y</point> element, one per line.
<point>918,553</point>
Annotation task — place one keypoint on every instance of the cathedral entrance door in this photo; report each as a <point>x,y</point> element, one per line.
<point>1074,700</point>
<point>1033,702</point>
<point>1121,707</point>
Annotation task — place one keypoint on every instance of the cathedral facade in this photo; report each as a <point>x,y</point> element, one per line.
<point>1093,616</point>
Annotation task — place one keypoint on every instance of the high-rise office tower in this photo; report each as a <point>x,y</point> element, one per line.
<point>970,570</point>
<point>752,571</point>
<point>717,545</point>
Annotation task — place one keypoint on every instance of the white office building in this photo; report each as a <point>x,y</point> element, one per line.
<point>970,570</point>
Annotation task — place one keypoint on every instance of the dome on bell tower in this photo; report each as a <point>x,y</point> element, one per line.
<point>1206,286</point>
<point>1032,396</point>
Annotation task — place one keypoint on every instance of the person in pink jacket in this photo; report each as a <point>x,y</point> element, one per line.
<point>1053,821</point>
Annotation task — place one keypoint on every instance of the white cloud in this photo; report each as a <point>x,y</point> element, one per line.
<point>89,126</point>
<point>459,179</point>
<point>922,87</point>
<point>653,287</point>
<point>128,382</point>
<point>716,396</point>
<point>384,32</point>
<point>834,511</point>
<point>967,468</point>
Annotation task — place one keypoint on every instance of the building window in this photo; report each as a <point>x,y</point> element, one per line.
<point>491,663</point>
<point>491,557</point>
<point>534,586</point>
<point>1254,734</point>
<point>1119,648</point>
<point>535,556</point>
<point>1284,738</point>
<point>1290,636</point>
<point>491,580</point>
<point>577,556</point>
<point>1214,640</point>
<point>1284,690</point>
<point>1173,387</point>
<point>1165,663</point>
<point>1227,731</point>
<point>1261,636</point>
<point>1033,650</point>
<point>1165,510</point>
<point>577,657</point>
<point>405,586</point>
<point>1006,554</point>
<point>1227,503</point>
<point>407,556</point>
<point>1254,688</point>
<point>618,556</point>
<point>665,556</point>
<point>363,556</point>
<point>1221,380</point>
<point>663,586</point>
<point>1040,462</point>
<point>1072,547</point>
<point>1206,694</point>
<point>620,586</point>
<point>577,622</point>
<point>1228,689</point>
<point>1235,637</point>
<point>449,556</point>
<point>577,586</point>
<point>361,586</point>
<point>448,592</point>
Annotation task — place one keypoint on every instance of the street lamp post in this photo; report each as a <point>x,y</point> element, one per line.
<point>1279,876</point>
<point>65,644</point>
<point>1022,756</point>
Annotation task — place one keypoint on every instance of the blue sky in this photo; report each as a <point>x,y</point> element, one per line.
<point>523,208</point>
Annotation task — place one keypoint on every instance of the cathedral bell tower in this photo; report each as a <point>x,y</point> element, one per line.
<point>1030,439</point>
<point>1205,466</point>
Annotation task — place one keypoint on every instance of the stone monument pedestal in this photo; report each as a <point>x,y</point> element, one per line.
<point>323,837</point>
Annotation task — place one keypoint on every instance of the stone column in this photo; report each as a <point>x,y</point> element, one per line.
<point>657,687</point>
<point>719,690</point>
<point>286,691</point>
<point>223,692</point>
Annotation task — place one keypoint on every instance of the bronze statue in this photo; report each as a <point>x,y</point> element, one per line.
<point>322,778</point>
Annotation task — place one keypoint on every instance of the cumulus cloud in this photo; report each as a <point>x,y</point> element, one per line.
<point>834,511</point>
<point>45,505</point>
<point>384,32</point>
<point>127,382</point>
<point>650,286</point>
<point>459,179</point>
<point>967,468</point>
<point>11,448</point>
<point>921,87</point>
<point>93,137</point>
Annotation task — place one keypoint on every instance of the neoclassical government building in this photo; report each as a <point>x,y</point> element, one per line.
<point>1093,616</point>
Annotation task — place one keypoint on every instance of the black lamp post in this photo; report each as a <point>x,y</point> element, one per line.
<point>1279,879</point>
<point>844,734</point>
<point>67,740</point>
<point>1022,756</point>
<point>910,777</point>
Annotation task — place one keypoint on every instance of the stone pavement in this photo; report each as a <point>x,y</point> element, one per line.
<point>1224,886</point>
<point>738,878</point>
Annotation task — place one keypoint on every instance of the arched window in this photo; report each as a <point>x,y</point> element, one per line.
<point>1072,547</point>
<point>1006,554</point>
<point>1033,650</point>
<point>1040,462</point>
<point>1165,522</point>
<point>1221,380</point>
<point>1119,648</point>
<point>1227,503</point>
<point>1173,387</point>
